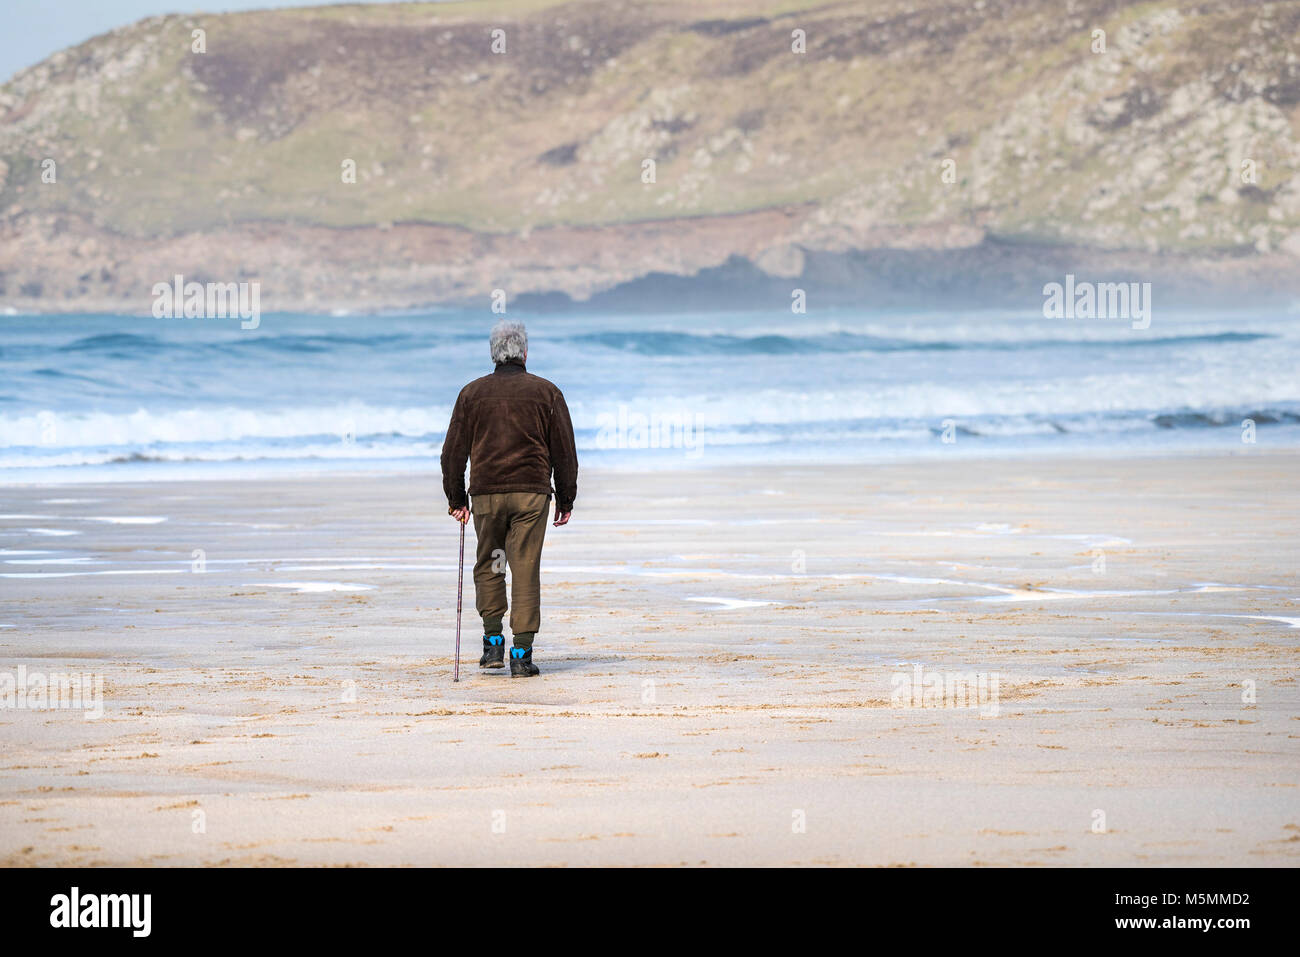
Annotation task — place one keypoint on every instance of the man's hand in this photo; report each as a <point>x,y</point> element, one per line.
<point>460,514</point>
<point>561,518</point>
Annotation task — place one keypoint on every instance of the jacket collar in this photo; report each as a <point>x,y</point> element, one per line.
<point>510,366</point>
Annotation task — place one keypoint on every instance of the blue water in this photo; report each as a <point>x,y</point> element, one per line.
<point>91,397</point>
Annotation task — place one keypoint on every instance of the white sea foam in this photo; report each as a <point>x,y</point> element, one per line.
<point>1292,622</point>
<point>128,519</point>
<point>143,427</point>
<point>114,571</point>
<point>729,604</point>
<point>305,587</point>
<point>52,561</point>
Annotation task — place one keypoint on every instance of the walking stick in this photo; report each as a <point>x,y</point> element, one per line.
<point>460,591</point>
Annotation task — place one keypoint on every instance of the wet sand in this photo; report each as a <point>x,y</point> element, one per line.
<point>728,661</point>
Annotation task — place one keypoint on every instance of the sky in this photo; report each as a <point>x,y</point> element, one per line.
<point>33,29</point>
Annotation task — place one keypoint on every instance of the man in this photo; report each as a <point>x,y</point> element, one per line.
<point>514,429</point>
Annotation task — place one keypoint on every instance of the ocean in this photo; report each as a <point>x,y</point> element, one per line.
<point>107,397</point>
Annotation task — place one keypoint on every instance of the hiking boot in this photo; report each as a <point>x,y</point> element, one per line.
<point>521,663</point>
<point>494,652</point>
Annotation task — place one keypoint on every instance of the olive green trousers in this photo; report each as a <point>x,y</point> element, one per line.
<point>510,527</point>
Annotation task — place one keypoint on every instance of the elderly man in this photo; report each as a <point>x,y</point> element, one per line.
<point>514,429</point>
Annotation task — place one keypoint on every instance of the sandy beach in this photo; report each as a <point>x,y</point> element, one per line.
<point>722,656</point>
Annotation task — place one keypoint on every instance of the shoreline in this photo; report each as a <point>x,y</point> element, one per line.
<point>315,468</point>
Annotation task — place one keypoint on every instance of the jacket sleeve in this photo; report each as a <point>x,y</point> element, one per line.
<point>564,455</point>
<point>455,453</point>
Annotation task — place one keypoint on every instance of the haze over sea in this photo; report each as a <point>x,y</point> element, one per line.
<point>107,397</point>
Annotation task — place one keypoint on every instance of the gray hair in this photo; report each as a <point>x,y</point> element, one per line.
<point>509,340</point>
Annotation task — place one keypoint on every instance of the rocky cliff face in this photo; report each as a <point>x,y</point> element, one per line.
<point>410,154</point>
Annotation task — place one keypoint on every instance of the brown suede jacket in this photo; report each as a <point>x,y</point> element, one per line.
<point>514,429</point>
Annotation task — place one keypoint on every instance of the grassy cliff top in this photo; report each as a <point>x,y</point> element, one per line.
<point>1045,140</point>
